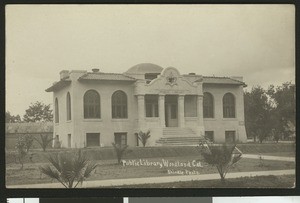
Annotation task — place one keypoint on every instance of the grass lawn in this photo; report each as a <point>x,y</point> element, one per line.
<point>286,181</point>
<point>108,169</point>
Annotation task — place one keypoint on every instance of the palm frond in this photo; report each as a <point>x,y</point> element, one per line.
<point>47,170</point>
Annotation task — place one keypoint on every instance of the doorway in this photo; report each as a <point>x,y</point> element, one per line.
<point>171,110</point>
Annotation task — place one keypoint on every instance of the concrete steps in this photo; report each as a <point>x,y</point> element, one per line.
<point>178,132</point>
<point>179,141</point>
<point>179,137</point>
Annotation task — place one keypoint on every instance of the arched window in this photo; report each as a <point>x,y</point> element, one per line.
<point>56,111</point>
<point>91,104</point>
<point>119,104</point>
<point>68,106</point>
<point>228,106</point>
<point>208,105</point>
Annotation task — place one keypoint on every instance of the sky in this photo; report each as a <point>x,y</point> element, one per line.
<point>253,41</point>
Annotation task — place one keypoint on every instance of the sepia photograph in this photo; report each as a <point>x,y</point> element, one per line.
<point>150,96</point>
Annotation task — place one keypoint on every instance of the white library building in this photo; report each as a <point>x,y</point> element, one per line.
<point>96,108</point>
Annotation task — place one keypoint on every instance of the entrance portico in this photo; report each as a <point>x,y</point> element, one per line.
<point>179,102</point>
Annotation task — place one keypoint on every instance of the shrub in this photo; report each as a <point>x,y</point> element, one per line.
<point>44,141</point>
<point>120,151</point>
<point>69,169</point>
<point>21,148</point>
<point>28,140</point>
<point>223,157</point>
<point>143,137</point>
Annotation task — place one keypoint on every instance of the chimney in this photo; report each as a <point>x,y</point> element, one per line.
<point>64,74</point>
<point>95,70</point>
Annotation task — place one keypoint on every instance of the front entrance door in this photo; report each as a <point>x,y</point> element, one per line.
<point>171,113</point>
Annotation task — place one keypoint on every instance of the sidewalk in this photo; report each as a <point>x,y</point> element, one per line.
<point>165,179</point>
<point>266,157</point>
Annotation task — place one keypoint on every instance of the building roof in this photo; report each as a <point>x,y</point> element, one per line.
<point>143,68</point>
<point>221,80</point>
<point>21,128</point>
<point>58,85</point>
<point>106,76</point>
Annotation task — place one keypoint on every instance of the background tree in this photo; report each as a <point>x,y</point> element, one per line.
<point>38,112</point>
<point>11,118</point>
<point>258,117</point>
<point>22,152</point>
<point>28,139</point>
<point>284,114</point>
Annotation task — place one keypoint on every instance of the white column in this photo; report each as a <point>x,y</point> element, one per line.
<point>161,109</point>
<point>181,121</point>
<point>141,110</point>
<point>200,112</point>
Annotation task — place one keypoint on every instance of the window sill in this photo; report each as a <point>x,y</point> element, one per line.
<point>56,124</point>
<point>120,120</point>
<point>69,121</point>
<point>92,120</point>
<point>191,118</point>
<point>151,118</point>
<point>209,119</point>
<point>229,119</point>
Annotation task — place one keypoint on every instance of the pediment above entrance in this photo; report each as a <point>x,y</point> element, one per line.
<point>169,82</point>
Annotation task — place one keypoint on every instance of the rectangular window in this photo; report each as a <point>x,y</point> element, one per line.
<point>230,136</point>
<point>69,140</point>
<point>209,135</point>
<point>92,139</point>
<point>148,110</point>
<point>151,103</point>
<point>121,138</point>
<point>190,106</point>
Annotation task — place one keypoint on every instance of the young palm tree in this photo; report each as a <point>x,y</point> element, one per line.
<point>120,151</point>
<point>69,169</point>
<point>44,141</point>
<point>223,157</point>
<point>143,137</point>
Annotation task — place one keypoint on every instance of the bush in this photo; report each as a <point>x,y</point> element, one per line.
<point>69,169</point>
<point>143,137</point>
<point>21,148</point>
<point>223,157</point>
<point>44,141</point>
<point>120,151</point>
<point>28,140</point>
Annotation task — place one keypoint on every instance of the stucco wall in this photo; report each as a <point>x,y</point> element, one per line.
<point>107,126</point>
<point>64,127</point>
<point>218,124</point>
